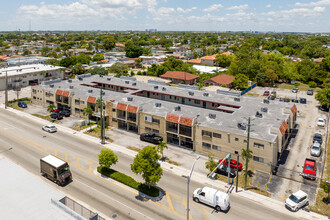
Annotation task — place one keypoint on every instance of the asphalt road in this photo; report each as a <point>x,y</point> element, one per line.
<point>29,143</point>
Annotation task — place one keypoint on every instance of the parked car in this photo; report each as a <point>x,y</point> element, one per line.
<point>310,92</point>
<point>65,113</point>
<point>271,97</point>
<point>316,149</point>
<point>223,170</point>
<point>55,110</point>
<point>320,122</point>
<point>266,93</point>
<point>317,138</point>
<point>273,93</point>
<point>295,90</point>
<point>151,137</point>
<point>233,164</point>
<point>286,100</point>
<point>49,128</point>
<point>56,116</point>
<point>278,99</point>
<point>22,104</point>
<point>297,200</point>
<point>309,169</point>
<point>212,197</point>
<point>303,101</point>
<point>295,100</point>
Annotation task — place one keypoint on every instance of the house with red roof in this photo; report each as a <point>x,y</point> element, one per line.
<point>221,80</point>
<point>178,76</point>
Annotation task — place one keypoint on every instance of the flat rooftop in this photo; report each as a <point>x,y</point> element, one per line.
<point>24,69</point>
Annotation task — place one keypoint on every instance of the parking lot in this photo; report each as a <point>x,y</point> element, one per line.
<point>288,179</point>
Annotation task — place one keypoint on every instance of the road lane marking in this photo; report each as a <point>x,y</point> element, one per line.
<point>185,205</point>
<point>169,201</point>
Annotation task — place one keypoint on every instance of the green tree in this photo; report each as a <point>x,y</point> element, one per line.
<point>78,69</point>
<point>117,68</point>
<point>51,107</point>
<point>98,57</point>
<point>107,158</point>
<point>241,81</point>
<point>223,60</point>
<point>160,147</point>
<point>88,112</point>
<point>138,62</point>
<point>323,96</point>
<point>210,164</point>
<point>98,71</point>
<point>109,43</point>
<point>326,187</point>
<point>246,154</point>
<point>146,163</point>
<point>133,51</point>
<point>26,52</point>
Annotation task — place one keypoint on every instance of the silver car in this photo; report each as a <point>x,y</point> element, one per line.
<point>49,128</point>
<point>316,149</point>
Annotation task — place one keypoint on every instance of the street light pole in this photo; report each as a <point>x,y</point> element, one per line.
<point>188,181</point>
<point>6,92</point>
<point>247,154</point>
<point>101,114</point>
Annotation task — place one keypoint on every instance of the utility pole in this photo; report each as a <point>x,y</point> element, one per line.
<point>6,92</point>
<point>237,172</point>
<point>188,181</point>
<point>247,154</point>
<point>101,114</point>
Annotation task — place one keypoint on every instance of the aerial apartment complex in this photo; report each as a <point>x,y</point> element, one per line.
<point>203,121</point>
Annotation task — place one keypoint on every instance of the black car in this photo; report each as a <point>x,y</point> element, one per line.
<point>303,101</point>
<point>286,100</point>
<point>151,137</point>
<point>223,170</point>
<point>56,116</point>
<point>295,100</point>
<point>65,113</point>
<point>317,138</point>
<point>22,104</point>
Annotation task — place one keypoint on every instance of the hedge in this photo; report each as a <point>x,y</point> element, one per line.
<point>129,181</point>
<point>21,99</point>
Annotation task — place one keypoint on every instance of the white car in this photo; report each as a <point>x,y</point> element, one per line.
<point>321,122</point>
<point>49,128</point>
<point>316,149</point>
<point>297,200</point>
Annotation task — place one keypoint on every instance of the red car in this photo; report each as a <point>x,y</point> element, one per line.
<point>55,110</point>
<point>233,164</point>
<point>266,93</point>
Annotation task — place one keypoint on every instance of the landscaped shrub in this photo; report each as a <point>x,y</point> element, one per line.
<point>312,84</point>
<point>21,99</point>
<point>129,181</point>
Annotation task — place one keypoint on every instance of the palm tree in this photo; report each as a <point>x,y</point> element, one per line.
<point>244,154</point>
<point>161,146</point>
<point>51,107</point>
<point>88,112</point>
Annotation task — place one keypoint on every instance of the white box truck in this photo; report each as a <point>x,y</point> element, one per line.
<point>215,198</point>
<point>55,169</point>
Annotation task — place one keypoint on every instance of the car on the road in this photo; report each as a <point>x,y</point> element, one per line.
<point>309,169</point>
<point>297,200</point>
<point>233,164</point>
<point>295,90</point>
<point>316,149</point>
<point>212,197</point>
<point>49,128</point>
<point>320,122</point>
<point>151,137</point>
<point>303,100</point>
<point>22,104</point>
<point>223,170</point>
<point>310,92</point>
<point>317,138</point>
<point>65,113</point>
<point>56,116</point>
<point>266,93</point>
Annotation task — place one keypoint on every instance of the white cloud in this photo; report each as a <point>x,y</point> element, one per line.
<point>268,6</point>
<point>311,4</point>
<point>238,7</point>
<point>213,7</point>
<point>187,10</point>
<point>295,13</point>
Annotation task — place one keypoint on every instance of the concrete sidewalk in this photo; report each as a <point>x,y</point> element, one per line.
<point>199,174</point>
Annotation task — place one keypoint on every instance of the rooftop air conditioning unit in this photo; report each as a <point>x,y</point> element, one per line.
<point>103,93</point>
<point>241,126</point>
<point>109,79</point>
<point>264,109</point>
<point>164,89</point>
<point>70,80</point>
<point>155,87</point>
<point>266,101</point>
<point>100,75</point>
<point>129,99</point>
<point>212,116</point>
<point>71,87</point>
<point>127,82</point>
<point>258,114</point>
<point>177,108</point>
<point>158,104</point>
<point>205,94</point>
<point>80,78</point>
<point>191,93</point>
<point>51,85</point>
<point>90,90</point>
<point>237,99</point>
<point>133,84</point>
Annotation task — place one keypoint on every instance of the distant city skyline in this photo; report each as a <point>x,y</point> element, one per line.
<point>167,15</point>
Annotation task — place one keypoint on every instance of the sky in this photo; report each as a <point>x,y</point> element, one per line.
<point>166,15</point>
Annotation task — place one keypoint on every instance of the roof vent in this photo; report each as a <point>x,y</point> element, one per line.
<point>90,90</point>
<point>109,79</point>
<point>212,116</point>
<point>71,87</point>
<point>133,84</point>
<point>127,82</point>
<point>101,76</point>
<point>51,85</point>
<point>158,104</point>
<point>80,78</point>
<point>241,126</point>
<point>70,80</point>
<point>177,108</point>
<point>264,109</point>
<point>155,87</point>
<point>237,99</point>
<point>164,89</point>
<point>205,94</point>
<point>266,101</point>
<point>103,93</point>
<point>130,99</point>
<point>258,114</point>
<point>191,93</point>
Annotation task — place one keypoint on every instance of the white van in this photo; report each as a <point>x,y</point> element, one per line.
<point>215,198</point>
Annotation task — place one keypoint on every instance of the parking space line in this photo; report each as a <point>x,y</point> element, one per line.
<point>282,197</point>
<point>169,201</point>
<point>185,205</point>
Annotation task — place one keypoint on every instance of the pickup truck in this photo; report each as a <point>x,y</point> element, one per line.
<point>309,169</point>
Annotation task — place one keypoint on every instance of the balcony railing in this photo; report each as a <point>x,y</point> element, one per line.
<point>131,119</point>
<point>121,117</point>
<point>173,130</point>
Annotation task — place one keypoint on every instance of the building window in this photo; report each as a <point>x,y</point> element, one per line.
<point>258,159</point>
<point>261,146</point>
<point>216,135</point>
<point>206,133</point>
<point>206,145</point>
<point>215,147</point>
<point>155,131</point>
<point>245,141</point>
<point>170,97</point>
<point>77,110</point>
<point>148,129</point>
<point>76,101</point>
<point>113,110</point>
<point>34,97</point>
<point>82,102</point>
<point>155,120</point>
<point>236,139</point>
<point>114,119</point>
<point>197,102</point>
